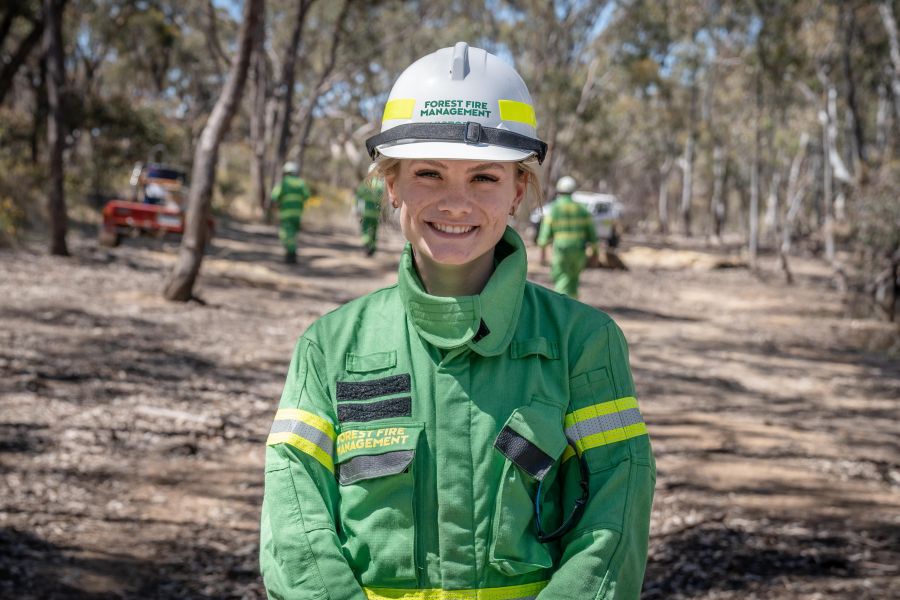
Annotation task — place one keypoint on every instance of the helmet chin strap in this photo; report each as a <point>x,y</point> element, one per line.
<point>468,133</point>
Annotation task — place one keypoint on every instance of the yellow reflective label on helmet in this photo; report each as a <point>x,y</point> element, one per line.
<point>401,108</point>
<point>510,110</point>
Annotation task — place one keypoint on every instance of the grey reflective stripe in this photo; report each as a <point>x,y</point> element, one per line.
<point>306,431</point>
<point>367,466</point>
<point>615,420</point>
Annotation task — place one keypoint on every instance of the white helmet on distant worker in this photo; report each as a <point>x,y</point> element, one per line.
<point>566,184</point>
<point>290,168</point>
<point>459,103</point>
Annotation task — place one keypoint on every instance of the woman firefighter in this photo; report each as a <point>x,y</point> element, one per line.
<point>464,433</point>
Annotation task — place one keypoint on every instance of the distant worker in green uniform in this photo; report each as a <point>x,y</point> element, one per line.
<point>570,227</point>
<point>289,196</point>
<point>368,207</point>
<point>463,434</point>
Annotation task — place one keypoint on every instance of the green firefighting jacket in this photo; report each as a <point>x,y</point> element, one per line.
<point>368,199</point>
<point>290,195</point>
<point>569,225</point>
<point>414,432</point>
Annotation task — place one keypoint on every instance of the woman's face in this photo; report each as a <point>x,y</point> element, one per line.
<point>454,212</point>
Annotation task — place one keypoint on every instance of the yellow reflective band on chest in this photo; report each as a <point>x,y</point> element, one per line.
<point>399,108</point>
<point>511,110</point>
<point>512,592</point>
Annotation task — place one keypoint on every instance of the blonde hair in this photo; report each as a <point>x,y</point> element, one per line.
<point>529,168</point>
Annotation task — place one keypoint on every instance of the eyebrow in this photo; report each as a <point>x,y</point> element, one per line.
<point>479,167</point>
<point>485,167</point>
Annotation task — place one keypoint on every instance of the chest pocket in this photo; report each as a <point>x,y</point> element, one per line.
<point>377,396</point>
<point>531,442</point>
<point>375,467</point>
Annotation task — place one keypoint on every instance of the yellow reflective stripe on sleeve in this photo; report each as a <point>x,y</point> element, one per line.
<point>303,445</point>
<point>511,110</point>
<point>399,108</point>
<point>604,423</point>
<point>305,431</point>
<point>298,414</point>
<point>513,592</point>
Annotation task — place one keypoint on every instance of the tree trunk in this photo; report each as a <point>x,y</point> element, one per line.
<point>181,281</point>
<point>321,85</point>
<point>890,25</point>
<point>794,195</point>
<point>10,14</point>
<point>855,119</point>
<point>212,38</point>
<point>9,70</point>
<point>717,201</point>
<point>687,187</point>
<point>56,136</point>
<point>663,204</point>
<point>827,182</point>
<point>258,118</point>
<point>770,222</point>
<point>881,119</point>
<point>753,241</point>
<point>793,199</point>
<point>284,93</point>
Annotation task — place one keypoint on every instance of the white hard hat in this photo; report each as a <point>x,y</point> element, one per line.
<point>290,167</point>
<point>459,103</point>
<point>566,185</point>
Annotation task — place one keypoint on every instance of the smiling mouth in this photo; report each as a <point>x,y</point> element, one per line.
<point>452,229</point>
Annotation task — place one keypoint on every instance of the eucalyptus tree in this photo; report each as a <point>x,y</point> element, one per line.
<point>56,77</point>
<point>181,280</point>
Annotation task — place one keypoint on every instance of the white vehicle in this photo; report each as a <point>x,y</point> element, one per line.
<point>604,208</point>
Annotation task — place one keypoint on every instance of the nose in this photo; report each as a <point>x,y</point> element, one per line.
<point>455,201</point>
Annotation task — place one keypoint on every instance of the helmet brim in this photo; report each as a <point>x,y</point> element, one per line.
<point>453,151</point>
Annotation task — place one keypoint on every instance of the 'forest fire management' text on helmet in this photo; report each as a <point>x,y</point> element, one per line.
<point>459,103</point>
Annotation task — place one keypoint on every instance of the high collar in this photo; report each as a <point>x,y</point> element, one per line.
<point>453,321</point>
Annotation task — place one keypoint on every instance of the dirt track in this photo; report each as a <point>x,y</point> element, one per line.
<point>131,429</point>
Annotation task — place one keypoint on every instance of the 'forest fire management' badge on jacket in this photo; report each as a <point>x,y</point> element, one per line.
<point>413,434</point>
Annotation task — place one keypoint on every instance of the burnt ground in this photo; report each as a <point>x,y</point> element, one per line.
<point>132,429</point>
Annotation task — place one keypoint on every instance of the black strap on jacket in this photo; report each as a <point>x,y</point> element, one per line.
<point>469,133</point>
<point>578,510</point>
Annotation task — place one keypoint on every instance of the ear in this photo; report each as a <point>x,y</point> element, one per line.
<point>389,181</point>
<point>521,185</point>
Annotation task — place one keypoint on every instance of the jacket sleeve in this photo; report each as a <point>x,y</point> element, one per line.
<point>276,193</point>
<point>604,556</point>
<point>545,233</point>
<point>300,552</point>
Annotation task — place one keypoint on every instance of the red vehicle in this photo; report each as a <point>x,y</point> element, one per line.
<point>156,206</point>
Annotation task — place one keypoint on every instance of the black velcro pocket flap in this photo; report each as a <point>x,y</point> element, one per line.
<point>533,437</point>
<point>526,455</point>
<point>373,388</point>
<point>368,466</point>
<point>362,412</point>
